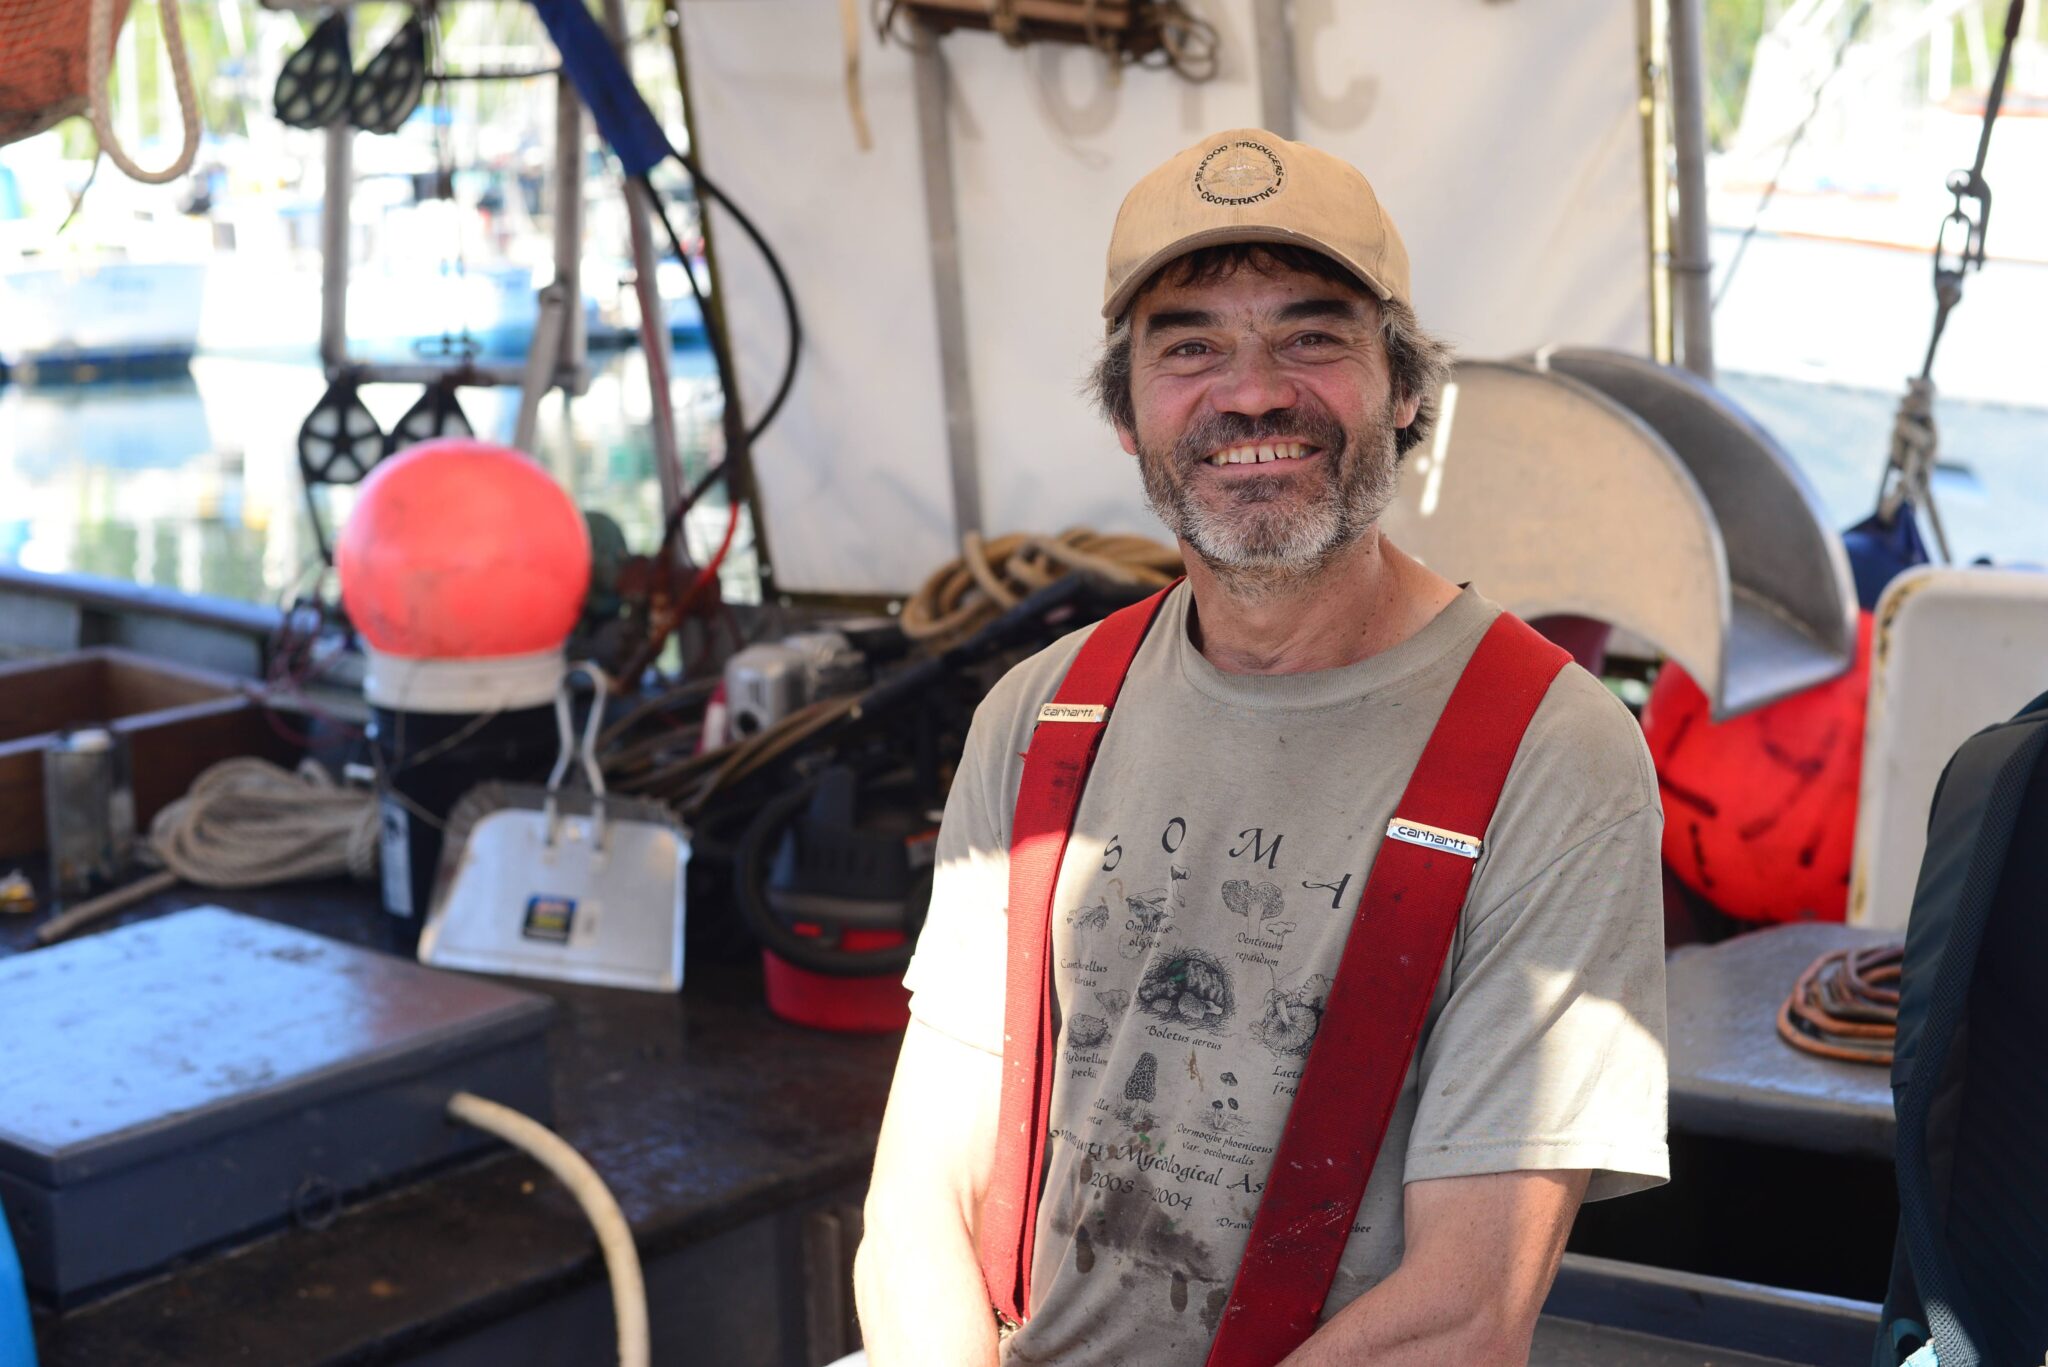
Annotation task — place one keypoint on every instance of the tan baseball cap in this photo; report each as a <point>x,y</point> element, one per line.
<point>1248,185</point>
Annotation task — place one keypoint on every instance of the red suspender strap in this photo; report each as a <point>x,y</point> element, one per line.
<point>1385,979</point>
<point>1056,768</point>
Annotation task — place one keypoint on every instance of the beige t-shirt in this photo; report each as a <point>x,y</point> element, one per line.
<point>1215,865</point>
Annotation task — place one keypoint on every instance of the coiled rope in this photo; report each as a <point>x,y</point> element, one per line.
<point>246,823</point>
<point>958,599</point>
<point>1846,1005</point>
<point>99,53</point>
<point>991,576</point>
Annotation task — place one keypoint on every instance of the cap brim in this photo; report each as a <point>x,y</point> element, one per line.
<point>1218,237</point>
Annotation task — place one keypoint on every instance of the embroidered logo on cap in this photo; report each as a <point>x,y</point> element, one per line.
<point>1433,838</point>
<point>1242,172</point>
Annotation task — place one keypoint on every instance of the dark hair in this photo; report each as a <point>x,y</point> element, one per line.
<point>1417,361</point>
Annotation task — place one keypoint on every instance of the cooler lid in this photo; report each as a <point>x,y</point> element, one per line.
<point>152,1037</point>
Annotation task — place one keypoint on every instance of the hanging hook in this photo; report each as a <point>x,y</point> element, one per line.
<point>583,753</point>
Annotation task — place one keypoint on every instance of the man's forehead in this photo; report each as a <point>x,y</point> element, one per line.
<point>1249,293</point>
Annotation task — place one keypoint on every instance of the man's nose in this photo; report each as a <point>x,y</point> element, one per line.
<point>1254,384</point>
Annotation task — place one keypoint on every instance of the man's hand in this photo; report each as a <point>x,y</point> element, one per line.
<point>1481,1254</point>
<point>917,1280</point>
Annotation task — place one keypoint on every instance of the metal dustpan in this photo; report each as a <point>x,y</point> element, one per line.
<point>558,883</point>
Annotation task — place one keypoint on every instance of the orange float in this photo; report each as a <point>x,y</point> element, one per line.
<point>1760,810</point>
<point>458,549</point>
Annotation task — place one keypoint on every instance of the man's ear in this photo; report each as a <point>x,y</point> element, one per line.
<point>1405,411</point>
<point>1127,439</point>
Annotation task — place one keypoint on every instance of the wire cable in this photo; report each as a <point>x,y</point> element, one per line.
<point>614,1235</point>
<point>710,570</point>
<point>1792,145</point>
<point>1908,478</point>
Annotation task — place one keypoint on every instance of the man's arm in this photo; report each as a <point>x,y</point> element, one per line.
<point>1481,1253</point>
<point>917,1279</point>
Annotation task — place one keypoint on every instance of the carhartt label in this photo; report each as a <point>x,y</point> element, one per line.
<point>1067,711</point>
<point>1433,837</point>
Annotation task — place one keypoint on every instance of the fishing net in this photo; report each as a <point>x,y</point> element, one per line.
<point>42,63</point>
<point>53,64</point>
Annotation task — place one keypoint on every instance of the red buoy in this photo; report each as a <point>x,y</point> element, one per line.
<point>464,566</point>
<point>1760,810</point>
<point>459,549</point>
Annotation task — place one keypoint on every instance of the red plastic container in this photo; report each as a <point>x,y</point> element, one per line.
<point>877,1005</point>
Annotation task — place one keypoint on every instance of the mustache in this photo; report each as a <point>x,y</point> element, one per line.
<point>1308,422</point>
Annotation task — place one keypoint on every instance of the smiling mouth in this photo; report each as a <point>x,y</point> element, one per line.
<point>1262,452</point>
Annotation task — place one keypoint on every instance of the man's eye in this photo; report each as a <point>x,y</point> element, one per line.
<point>1315,339</point>
<point>1190,348</point>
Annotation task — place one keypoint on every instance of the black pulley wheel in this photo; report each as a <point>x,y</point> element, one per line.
<point>385,92</point>
<point>339,441</point>
<point>313,88</point>
<point>437,414</point>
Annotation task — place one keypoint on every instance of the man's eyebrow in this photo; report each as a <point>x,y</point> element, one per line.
<point>1301,310</point>
<point>1170,319</point>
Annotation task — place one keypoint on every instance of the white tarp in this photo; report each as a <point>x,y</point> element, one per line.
<point>1504,139</point>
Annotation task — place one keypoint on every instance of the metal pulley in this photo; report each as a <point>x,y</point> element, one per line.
<point>387,91</point>
<point>313,88</point>
<point>339,440</point>
<point>339,443</point>
<point>435,414</point>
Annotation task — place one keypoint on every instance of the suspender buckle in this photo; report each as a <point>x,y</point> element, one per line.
<point>1434,838</point>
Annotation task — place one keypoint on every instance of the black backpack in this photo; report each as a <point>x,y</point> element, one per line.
<point>1970,1076</point>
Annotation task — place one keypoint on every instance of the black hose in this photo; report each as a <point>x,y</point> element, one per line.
<point>789,313</point>
<point>740,437</point>
<point>727,375</point>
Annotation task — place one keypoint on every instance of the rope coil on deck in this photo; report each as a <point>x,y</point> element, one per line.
<point>246,823</point>
<point>1846,1005</point>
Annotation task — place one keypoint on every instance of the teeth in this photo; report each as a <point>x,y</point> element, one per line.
<point>1260,453</point>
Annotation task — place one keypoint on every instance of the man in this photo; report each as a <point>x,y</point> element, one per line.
<point>1265,368</point>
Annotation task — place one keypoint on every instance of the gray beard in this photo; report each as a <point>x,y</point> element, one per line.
<point>1255,544</point>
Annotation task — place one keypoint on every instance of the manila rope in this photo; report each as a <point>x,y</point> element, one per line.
<point>246,823</point>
